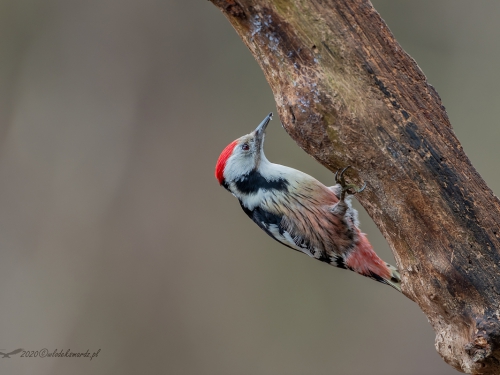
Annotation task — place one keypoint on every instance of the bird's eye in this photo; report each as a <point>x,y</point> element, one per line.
<point>245,147</point>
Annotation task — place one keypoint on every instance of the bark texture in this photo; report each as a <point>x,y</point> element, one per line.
<point>349,95</point>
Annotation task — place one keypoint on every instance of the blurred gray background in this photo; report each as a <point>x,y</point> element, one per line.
<point>114,233</point>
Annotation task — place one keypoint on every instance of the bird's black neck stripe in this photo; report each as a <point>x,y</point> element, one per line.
<point>253,181</point>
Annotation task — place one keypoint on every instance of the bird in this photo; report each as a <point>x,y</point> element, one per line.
<point>298,211</point>
<point>7,355</point>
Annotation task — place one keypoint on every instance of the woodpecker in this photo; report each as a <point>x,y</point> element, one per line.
<point>299,211</point>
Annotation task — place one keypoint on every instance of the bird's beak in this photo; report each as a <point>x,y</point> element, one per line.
<point>261,130</point>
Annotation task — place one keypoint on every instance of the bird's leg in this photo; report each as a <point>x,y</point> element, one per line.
<point>350,189</point>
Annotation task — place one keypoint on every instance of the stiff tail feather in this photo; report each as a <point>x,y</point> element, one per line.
<point>366,262</point>
<point>395,279</point>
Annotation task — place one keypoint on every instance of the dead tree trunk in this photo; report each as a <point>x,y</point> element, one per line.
<point>348,94</point>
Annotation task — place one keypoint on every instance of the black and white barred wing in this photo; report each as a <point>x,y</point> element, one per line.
<point>274,225</point>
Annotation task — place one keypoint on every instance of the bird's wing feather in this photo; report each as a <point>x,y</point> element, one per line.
<point>291,240</point>
<point>312,226</point>
<point>297,242</point>
<point>274,226</point>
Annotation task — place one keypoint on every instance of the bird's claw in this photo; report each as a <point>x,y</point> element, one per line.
<point>349,189</point>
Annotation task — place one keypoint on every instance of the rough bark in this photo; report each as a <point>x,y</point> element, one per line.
<point>348,94</point>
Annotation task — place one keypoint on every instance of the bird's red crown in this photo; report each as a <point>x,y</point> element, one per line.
<point>221,162</point>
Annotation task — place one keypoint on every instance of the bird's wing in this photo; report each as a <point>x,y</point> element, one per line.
<point>307,214</point>
<point>289,237</point>
<point>3,353</point>
<point>274,225</point>
<point>14,351</point>
<point>291,240</point>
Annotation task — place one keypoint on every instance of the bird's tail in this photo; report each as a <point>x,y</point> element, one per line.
<point>366,262</point>
<point>395,279</point>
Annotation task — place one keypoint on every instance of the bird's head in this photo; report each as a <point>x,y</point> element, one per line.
<point>243,155</point>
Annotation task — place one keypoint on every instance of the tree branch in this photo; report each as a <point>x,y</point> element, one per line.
<point>348,94</point>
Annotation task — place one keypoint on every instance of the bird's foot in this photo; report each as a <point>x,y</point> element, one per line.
<point>349,189</point>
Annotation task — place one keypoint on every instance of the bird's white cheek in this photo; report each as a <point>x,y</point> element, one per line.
<point>237,166</point>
